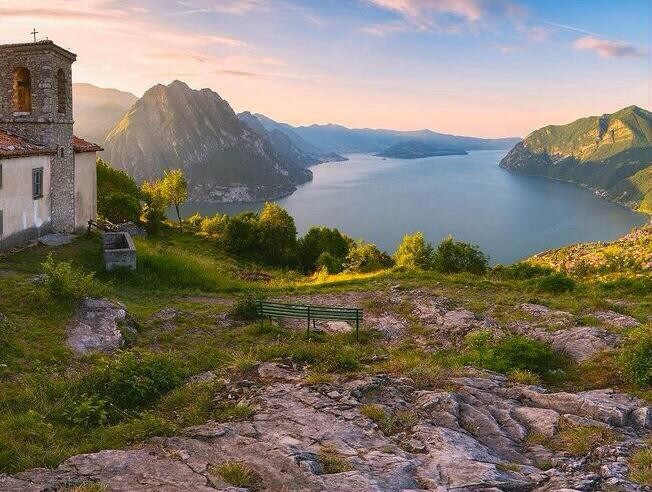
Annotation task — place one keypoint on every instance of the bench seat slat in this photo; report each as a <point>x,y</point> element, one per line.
<point>302,311</point>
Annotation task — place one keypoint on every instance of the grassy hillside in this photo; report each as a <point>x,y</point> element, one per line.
<point>629,256</point>
<point>43,420</point>
<point>611,154</point>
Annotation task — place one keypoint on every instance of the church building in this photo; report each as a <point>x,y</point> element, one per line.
<point>47,175</point>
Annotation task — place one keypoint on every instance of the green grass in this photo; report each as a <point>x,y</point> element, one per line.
<point>238,475</point>
<point>50,411</point>
<point>332,461</point>
<point>640,465</point>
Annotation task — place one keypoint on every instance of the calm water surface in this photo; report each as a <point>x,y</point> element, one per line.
<point>510,217</point>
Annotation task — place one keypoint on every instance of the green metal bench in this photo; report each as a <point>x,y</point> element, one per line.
<point>310,313</point>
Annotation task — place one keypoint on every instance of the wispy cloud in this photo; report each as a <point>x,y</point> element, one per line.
<point>607,48</point>
<point>446,16</point>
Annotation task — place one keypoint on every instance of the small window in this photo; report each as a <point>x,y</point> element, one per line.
<point>62,97</point>
<point>0,175</point>
<point>22,97</point>
<point>37,183</point>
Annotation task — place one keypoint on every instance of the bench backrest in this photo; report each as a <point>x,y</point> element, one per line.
<point>276,309</point>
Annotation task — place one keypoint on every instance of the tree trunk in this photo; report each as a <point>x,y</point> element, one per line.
<point>176,205</point>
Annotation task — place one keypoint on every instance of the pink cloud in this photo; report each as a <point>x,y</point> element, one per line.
<point>607,48</point>
<point>444,15</point>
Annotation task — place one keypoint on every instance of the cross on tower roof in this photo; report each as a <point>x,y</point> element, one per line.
<point>34,33</point>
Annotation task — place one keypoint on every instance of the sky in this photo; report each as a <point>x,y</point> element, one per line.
<point>473,67</point>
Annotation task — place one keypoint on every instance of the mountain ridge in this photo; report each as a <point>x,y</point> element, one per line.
<point>610,153</point>
<point>175,126</point>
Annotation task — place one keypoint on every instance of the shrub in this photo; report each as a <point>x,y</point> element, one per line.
<point>214,226</point>
<point>195,220</point>
<point>118,196</point>
<point>64,281</point>
<point>246,307</point>
<point>521,271</point>
<point>132,380</point>
<point>330,263</point>
<point>512,353</point>
<point>322,241</point>
<point>119,207</point>
<point>414,252</point>
<point>454,257</point>
<point>635,356</point>
<point>366,257</point>
<point>557,283</point>
<point>88,411</point>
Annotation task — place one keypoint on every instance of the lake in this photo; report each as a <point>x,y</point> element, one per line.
<point>510,217</point>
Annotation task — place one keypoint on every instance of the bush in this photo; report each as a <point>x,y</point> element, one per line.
<point>455,257</point>
<point>512,353</point>
<point>635,356</point>
<point>366,257</point>
<point>64,281</point>
<point>521,271</point>
<point>88,411</point>
<point>195,220</point>
<point>246,307</point>
<point>414,253</point>
<point>320,241</point>
<point>131,380</point>
<point>213,226</point>
<point>330,263</point>
<point>557,283</point>
<point>118,196</point>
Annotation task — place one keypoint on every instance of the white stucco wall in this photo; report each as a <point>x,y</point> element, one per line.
<point>85,189</point>
<point>23,217</point>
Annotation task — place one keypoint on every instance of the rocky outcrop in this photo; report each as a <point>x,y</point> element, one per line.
<point>579,343</point>
<point>473,437</point>
<point>98,326</point>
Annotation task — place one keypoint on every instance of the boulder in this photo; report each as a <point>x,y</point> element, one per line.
<point>97,325</point>
<point>617,320</point>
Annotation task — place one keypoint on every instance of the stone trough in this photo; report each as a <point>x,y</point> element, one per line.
<point>119,250</point>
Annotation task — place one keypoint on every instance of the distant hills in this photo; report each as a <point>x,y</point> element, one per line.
<point>611,154</point>
<point>341,139</point>
<point>223,157</point>
<point>97,110</point>
<point>415,149</point>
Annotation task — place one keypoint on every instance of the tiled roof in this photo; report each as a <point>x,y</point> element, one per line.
<point>81,145</point>
<point>15,146</point>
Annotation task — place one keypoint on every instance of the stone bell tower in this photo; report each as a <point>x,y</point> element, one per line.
<point>36,104</point>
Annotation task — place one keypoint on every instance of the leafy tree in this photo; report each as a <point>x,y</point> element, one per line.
<point>118,196</point>
<point>366,257</point>
<point>319,241</point>
<point>214,226</point>
<point>240,234</point>
<point>454,257</point>
<point>155,205</point>
<point>278,234</point>
<point>174,189</point>
<point>414,252</point>
<point>332,264</point>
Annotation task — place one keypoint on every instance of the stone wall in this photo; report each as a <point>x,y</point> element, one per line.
<point>44,124</point>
